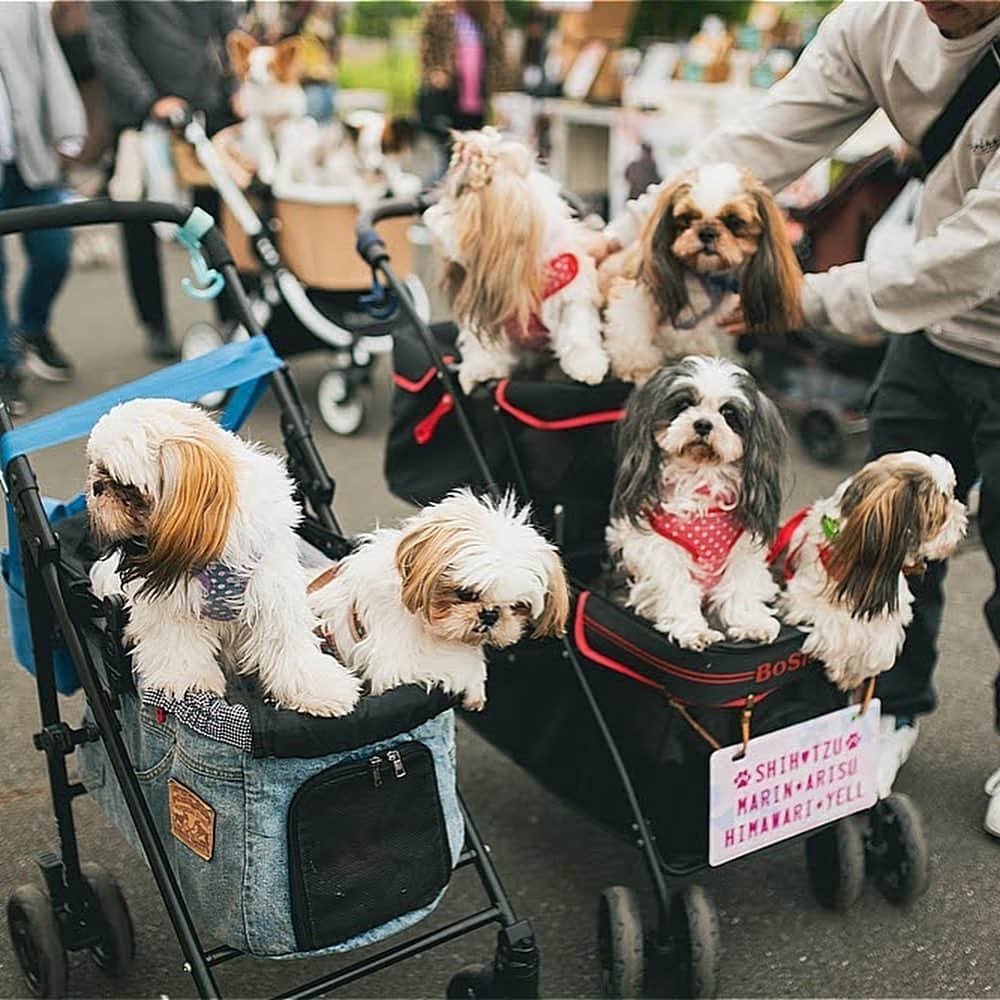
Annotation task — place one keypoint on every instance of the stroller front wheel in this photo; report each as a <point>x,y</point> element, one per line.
<point>474,982</point>
<point>34,934</point>
<point>620,943</point>
<point>897,849</point>
<point>340,406</point>
<point>114,953</point>
<point>823,437</point>
<point>203,338</point>
<point>835,859</point>
<point>695,943</point>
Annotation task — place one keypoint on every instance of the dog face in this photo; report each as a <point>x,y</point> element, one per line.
<point>158,474</point>
<point>477,573</point>
<point>702,413</point>
<point>264,64</point>
<point>897,513</point>
<point>719,219</point>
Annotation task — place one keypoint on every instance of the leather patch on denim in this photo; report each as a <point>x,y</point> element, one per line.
<point>192,820</point>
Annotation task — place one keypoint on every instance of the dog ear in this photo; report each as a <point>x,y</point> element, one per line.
<point>239,45</point>
<point>662,272</point>
<point>764,451</point>
<point>421,556</point>
<point>772,280</point>
<point>552,621</point>
<point>398,135</point>
<point>288,60</point>
<point>881,518</point>
<point>190,521</point>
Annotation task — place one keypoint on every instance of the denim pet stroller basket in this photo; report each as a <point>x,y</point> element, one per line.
<point>641,714</point>
<point>275,833</point>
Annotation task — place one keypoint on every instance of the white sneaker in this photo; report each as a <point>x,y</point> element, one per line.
<point>894,746</point>
<point>992,821</point>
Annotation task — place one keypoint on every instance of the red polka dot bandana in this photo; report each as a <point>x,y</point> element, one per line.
<point>708,537</point>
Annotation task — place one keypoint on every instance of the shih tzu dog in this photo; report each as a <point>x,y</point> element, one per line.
<point>520,281</point>
<point>715,239</point>
<point>200,528</point>
<point>418,604</point>
<point>847,558</point>
<point>696,502</point>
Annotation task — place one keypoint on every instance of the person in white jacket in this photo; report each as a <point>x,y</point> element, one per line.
<point>939,390</point>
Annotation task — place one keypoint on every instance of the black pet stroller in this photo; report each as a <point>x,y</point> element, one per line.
<point>275,834</point>
<point>305,294</point>
<point>641,715</point>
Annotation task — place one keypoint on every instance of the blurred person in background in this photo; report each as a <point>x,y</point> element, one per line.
<point>318,24</point>
<point>156,59</point>
<point>939,387</point>
<point>41,120</point>
<point>462,62</point>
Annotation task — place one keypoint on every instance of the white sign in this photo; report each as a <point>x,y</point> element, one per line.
<point>791,781</point>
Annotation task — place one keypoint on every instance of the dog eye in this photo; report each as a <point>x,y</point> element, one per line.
<point>734,224</point>
<point>683,220</point>
<point>731,415</point>
<point>521,608</point>
<point>466,595</point>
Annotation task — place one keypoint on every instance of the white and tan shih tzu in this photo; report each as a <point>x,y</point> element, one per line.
<point>520,282</point>
<point>715,240</point>
<point>200,527</point>
<point>696,502</point>
<point>847,558</point>
<point>419,604</point>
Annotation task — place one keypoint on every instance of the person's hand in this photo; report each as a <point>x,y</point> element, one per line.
<point>438,79</point>
<point>601,246</point>
<point>734,322</point>
<point>167,108</point>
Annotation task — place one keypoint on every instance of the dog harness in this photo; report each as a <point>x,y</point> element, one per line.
<point>830,526</point>
<point>716,287</point>
<point>224,591</point>
<point>354,624</point>
<point>559,272</point>
<point>708,537</point>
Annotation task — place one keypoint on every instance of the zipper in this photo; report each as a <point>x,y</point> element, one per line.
<point>397,763</point>
<point>375,763</point>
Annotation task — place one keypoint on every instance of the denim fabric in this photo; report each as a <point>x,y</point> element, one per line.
<point>241,897</point>
<point>48,252</point>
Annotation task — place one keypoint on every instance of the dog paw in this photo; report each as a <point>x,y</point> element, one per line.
<point>177,691</point>
<point>331,693</point>
<point>764,629</point>
<point>469,376</point>
<point>692,638</point>
<point>473,702</point>
<point>588,367</point>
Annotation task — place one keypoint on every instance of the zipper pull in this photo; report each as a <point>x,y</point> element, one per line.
<point>397,763</point>
<point>376,765</point>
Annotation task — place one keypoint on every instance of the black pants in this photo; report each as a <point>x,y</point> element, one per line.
<point>142,258</point>
<point>932,401</point>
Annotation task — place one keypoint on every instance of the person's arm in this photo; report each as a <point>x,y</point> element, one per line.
<point>65,117</point>
<point>822,101</point>
<point>120,71</point>
<point>943,275</point>
<point>435,67</point>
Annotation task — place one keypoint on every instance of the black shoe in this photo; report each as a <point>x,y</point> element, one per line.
<point>159,345</point>
<point>11,392</point>
<point>44,359</point>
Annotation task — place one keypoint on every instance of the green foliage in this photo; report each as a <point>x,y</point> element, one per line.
<point>677,20</point>
<point>373,18</point>
<point>395,72</point>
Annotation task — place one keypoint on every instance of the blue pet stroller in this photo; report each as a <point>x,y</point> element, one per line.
<point>642,715</point>
<point>274,833</point>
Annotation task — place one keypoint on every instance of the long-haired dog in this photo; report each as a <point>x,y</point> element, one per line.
<point>714,232</point>
<point>203,548</point>
<point>848,557</point>
<point>418,604</point>
<point>520,282</point>
<point>696,502</point>
<point>272,98</point>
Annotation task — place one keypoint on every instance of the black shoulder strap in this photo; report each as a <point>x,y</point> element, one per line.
<point>975,88</point>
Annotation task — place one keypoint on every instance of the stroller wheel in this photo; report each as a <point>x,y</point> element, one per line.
<point>34,933</point>
<point>835,860</point>
<point>471,982</point>
<point>341,408</point>
<point>897,849</point>
<point>115,951</point>
<point>822,435</point>
<point>620,945</point>
<point>695,943</point>
<point>203,338</point>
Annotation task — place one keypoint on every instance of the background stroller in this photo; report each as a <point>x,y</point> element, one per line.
<point>600,698</point>
<point>304,294</point>
<point>240,809</point>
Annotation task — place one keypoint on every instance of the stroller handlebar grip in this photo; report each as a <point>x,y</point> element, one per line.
<point>369,244</point>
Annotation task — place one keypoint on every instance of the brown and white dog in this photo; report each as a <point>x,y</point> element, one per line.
<point>715,239</point>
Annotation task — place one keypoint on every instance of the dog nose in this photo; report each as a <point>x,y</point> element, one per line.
<point>703,427</point>
<point>98,488</point>
<point>489,616</point>
<point>707,235</point>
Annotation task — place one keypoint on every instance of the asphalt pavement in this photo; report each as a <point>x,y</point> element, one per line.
<point>554,861</point>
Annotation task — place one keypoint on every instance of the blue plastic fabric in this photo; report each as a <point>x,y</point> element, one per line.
<point>248,361</point>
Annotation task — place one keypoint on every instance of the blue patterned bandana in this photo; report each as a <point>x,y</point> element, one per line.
<point>224,589</point>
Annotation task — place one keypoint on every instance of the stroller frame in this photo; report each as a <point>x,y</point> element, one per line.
<point>81,921</point>
<point>686,935</point>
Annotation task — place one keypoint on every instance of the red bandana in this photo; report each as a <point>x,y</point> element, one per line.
<point>559,272</point>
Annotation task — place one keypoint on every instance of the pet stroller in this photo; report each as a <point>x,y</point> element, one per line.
<point>645,718</point>
<point>305,294</point>
<point>275,834</point>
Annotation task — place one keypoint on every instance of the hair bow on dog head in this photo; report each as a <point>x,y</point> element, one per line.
<point>473,163</point>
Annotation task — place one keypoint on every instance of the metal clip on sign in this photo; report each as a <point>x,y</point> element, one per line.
<point>209,281</point>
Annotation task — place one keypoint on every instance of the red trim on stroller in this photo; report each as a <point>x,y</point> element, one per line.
<point>408,385</point>
<point>424,429</point>
<point>563,424</point>
<point>580,638</point>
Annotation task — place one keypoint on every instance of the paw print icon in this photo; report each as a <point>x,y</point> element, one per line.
<point>742,778</point>
<point>853,739</point>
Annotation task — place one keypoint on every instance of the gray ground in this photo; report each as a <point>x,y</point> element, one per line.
<point>554,861</point>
